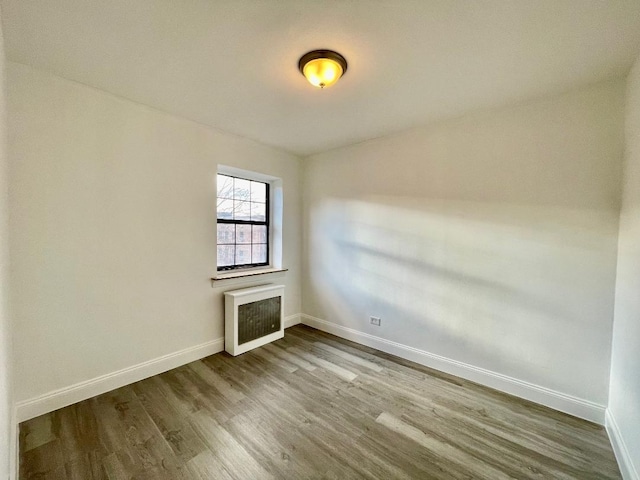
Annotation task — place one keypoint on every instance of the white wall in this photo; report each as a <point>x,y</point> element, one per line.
<point>113,230</point>
<point>6,403</point>
<point>624,401</point>
<point>490,240</point>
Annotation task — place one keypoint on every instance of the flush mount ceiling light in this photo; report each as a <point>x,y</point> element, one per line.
<point>322,68</point>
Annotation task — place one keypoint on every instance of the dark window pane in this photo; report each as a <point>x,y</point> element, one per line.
<point>226,255</point>
<point>258,253</point>
<point>259,234</point>
<point>258,192</point>
<point>226,233</point>
<point>243,234</point>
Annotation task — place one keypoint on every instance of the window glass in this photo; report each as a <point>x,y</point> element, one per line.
<point>226,234</point>
<point>243,222</point>
<point>226,255</point>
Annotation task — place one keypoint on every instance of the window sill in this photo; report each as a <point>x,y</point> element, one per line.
<point>221,277</point>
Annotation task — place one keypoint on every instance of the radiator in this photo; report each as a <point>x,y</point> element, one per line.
<point>252,317</point>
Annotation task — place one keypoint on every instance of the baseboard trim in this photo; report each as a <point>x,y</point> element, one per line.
<point>625,462</point>
<point>63,397</point>
<point>13,447</point>
<point>292,320</point>
<point>557,400</point>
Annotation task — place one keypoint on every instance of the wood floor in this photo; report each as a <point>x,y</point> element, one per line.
<point>310,406</point>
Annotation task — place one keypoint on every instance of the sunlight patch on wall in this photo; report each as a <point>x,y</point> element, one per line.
<point>445,274</point>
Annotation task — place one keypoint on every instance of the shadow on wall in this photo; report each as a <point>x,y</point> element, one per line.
<point>526,291</point>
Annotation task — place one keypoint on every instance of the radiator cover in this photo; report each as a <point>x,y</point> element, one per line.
<point>253,317</point>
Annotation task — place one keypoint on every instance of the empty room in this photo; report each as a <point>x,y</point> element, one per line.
<point>329,239</point>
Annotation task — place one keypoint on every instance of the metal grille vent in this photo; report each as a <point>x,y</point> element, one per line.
<point>257,319</point>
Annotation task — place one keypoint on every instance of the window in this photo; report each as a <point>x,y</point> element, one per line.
<point>243,222</point>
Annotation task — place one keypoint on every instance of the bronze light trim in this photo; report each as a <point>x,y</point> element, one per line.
<point>315,54</point>
<point>322,68</point>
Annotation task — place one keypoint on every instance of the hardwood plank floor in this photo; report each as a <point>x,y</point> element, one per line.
<point>310,406</point>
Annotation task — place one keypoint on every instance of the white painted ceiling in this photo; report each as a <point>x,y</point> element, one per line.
<point>232,64</point>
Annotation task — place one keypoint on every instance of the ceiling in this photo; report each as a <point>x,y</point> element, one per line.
<point>232,64</point>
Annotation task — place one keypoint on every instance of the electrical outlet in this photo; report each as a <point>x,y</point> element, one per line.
<point>375,321</point>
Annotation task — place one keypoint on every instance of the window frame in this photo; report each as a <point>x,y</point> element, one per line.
<point>266,223</point>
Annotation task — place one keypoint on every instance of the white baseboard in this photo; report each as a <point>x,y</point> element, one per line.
<point>56,399</point>
<point>625,462</point>
<point>13,446</point>
<point>292,320</point>
<point>557,400</point>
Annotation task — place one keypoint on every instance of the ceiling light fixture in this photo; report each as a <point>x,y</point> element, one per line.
<point>322,68</point>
